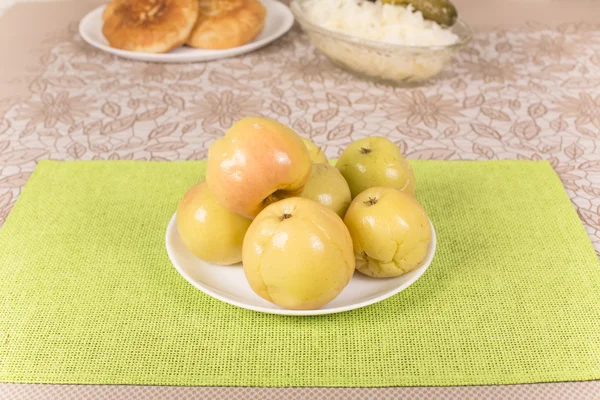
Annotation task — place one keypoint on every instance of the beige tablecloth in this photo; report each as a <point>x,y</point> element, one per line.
<point>527,88</point>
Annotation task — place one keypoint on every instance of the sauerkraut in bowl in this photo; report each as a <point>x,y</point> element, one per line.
<point>383,42</point>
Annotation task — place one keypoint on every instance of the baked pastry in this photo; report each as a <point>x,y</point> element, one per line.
<point>223,24</point>
<point>149,26</point>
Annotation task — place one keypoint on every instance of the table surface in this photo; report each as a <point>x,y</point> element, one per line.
<point>527,88</point>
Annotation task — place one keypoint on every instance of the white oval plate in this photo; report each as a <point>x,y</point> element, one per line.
<point>229,284</point>
<point>278,21</point>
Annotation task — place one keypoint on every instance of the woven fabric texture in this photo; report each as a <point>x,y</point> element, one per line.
<point>88,295</point>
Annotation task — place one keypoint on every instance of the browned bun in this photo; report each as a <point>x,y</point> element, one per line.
<point>223,24</point>
<point>149,26</point>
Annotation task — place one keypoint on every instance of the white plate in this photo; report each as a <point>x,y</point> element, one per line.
<point>278,21</point>
<point>229,284</point>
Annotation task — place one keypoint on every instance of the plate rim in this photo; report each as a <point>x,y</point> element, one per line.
<point>172,229</point>
<point>183,58</point>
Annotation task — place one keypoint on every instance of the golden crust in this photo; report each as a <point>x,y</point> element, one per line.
<point>223,24</point>
<point>149,26</point>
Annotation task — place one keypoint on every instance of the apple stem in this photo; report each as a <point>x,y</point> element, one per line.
<point>365,150</point>
<point>286,216</point>
<point>371,201</point>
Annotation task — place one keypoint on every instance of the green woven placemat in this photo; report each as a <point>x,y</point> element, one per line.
<point>88,295</point>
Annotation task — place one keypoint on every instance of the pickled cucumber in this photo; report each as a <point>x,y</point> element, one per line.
<point>441,11</point>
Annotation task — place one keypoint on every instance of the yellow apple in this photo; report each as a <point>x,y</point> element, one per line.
<point>316,154</point>
<point>390,231</point>
<point>257,162</point>
<point>298,254</point>
<point>328,187</point>
<point>208,230</point>
<point>375,161</point>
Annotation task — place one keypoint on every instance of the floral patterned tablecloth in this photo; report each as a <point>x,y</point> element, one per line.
<point>522,90</point>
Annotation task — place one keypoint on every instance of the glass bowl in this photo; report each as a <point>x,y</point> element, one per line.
<point>379,61</point>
